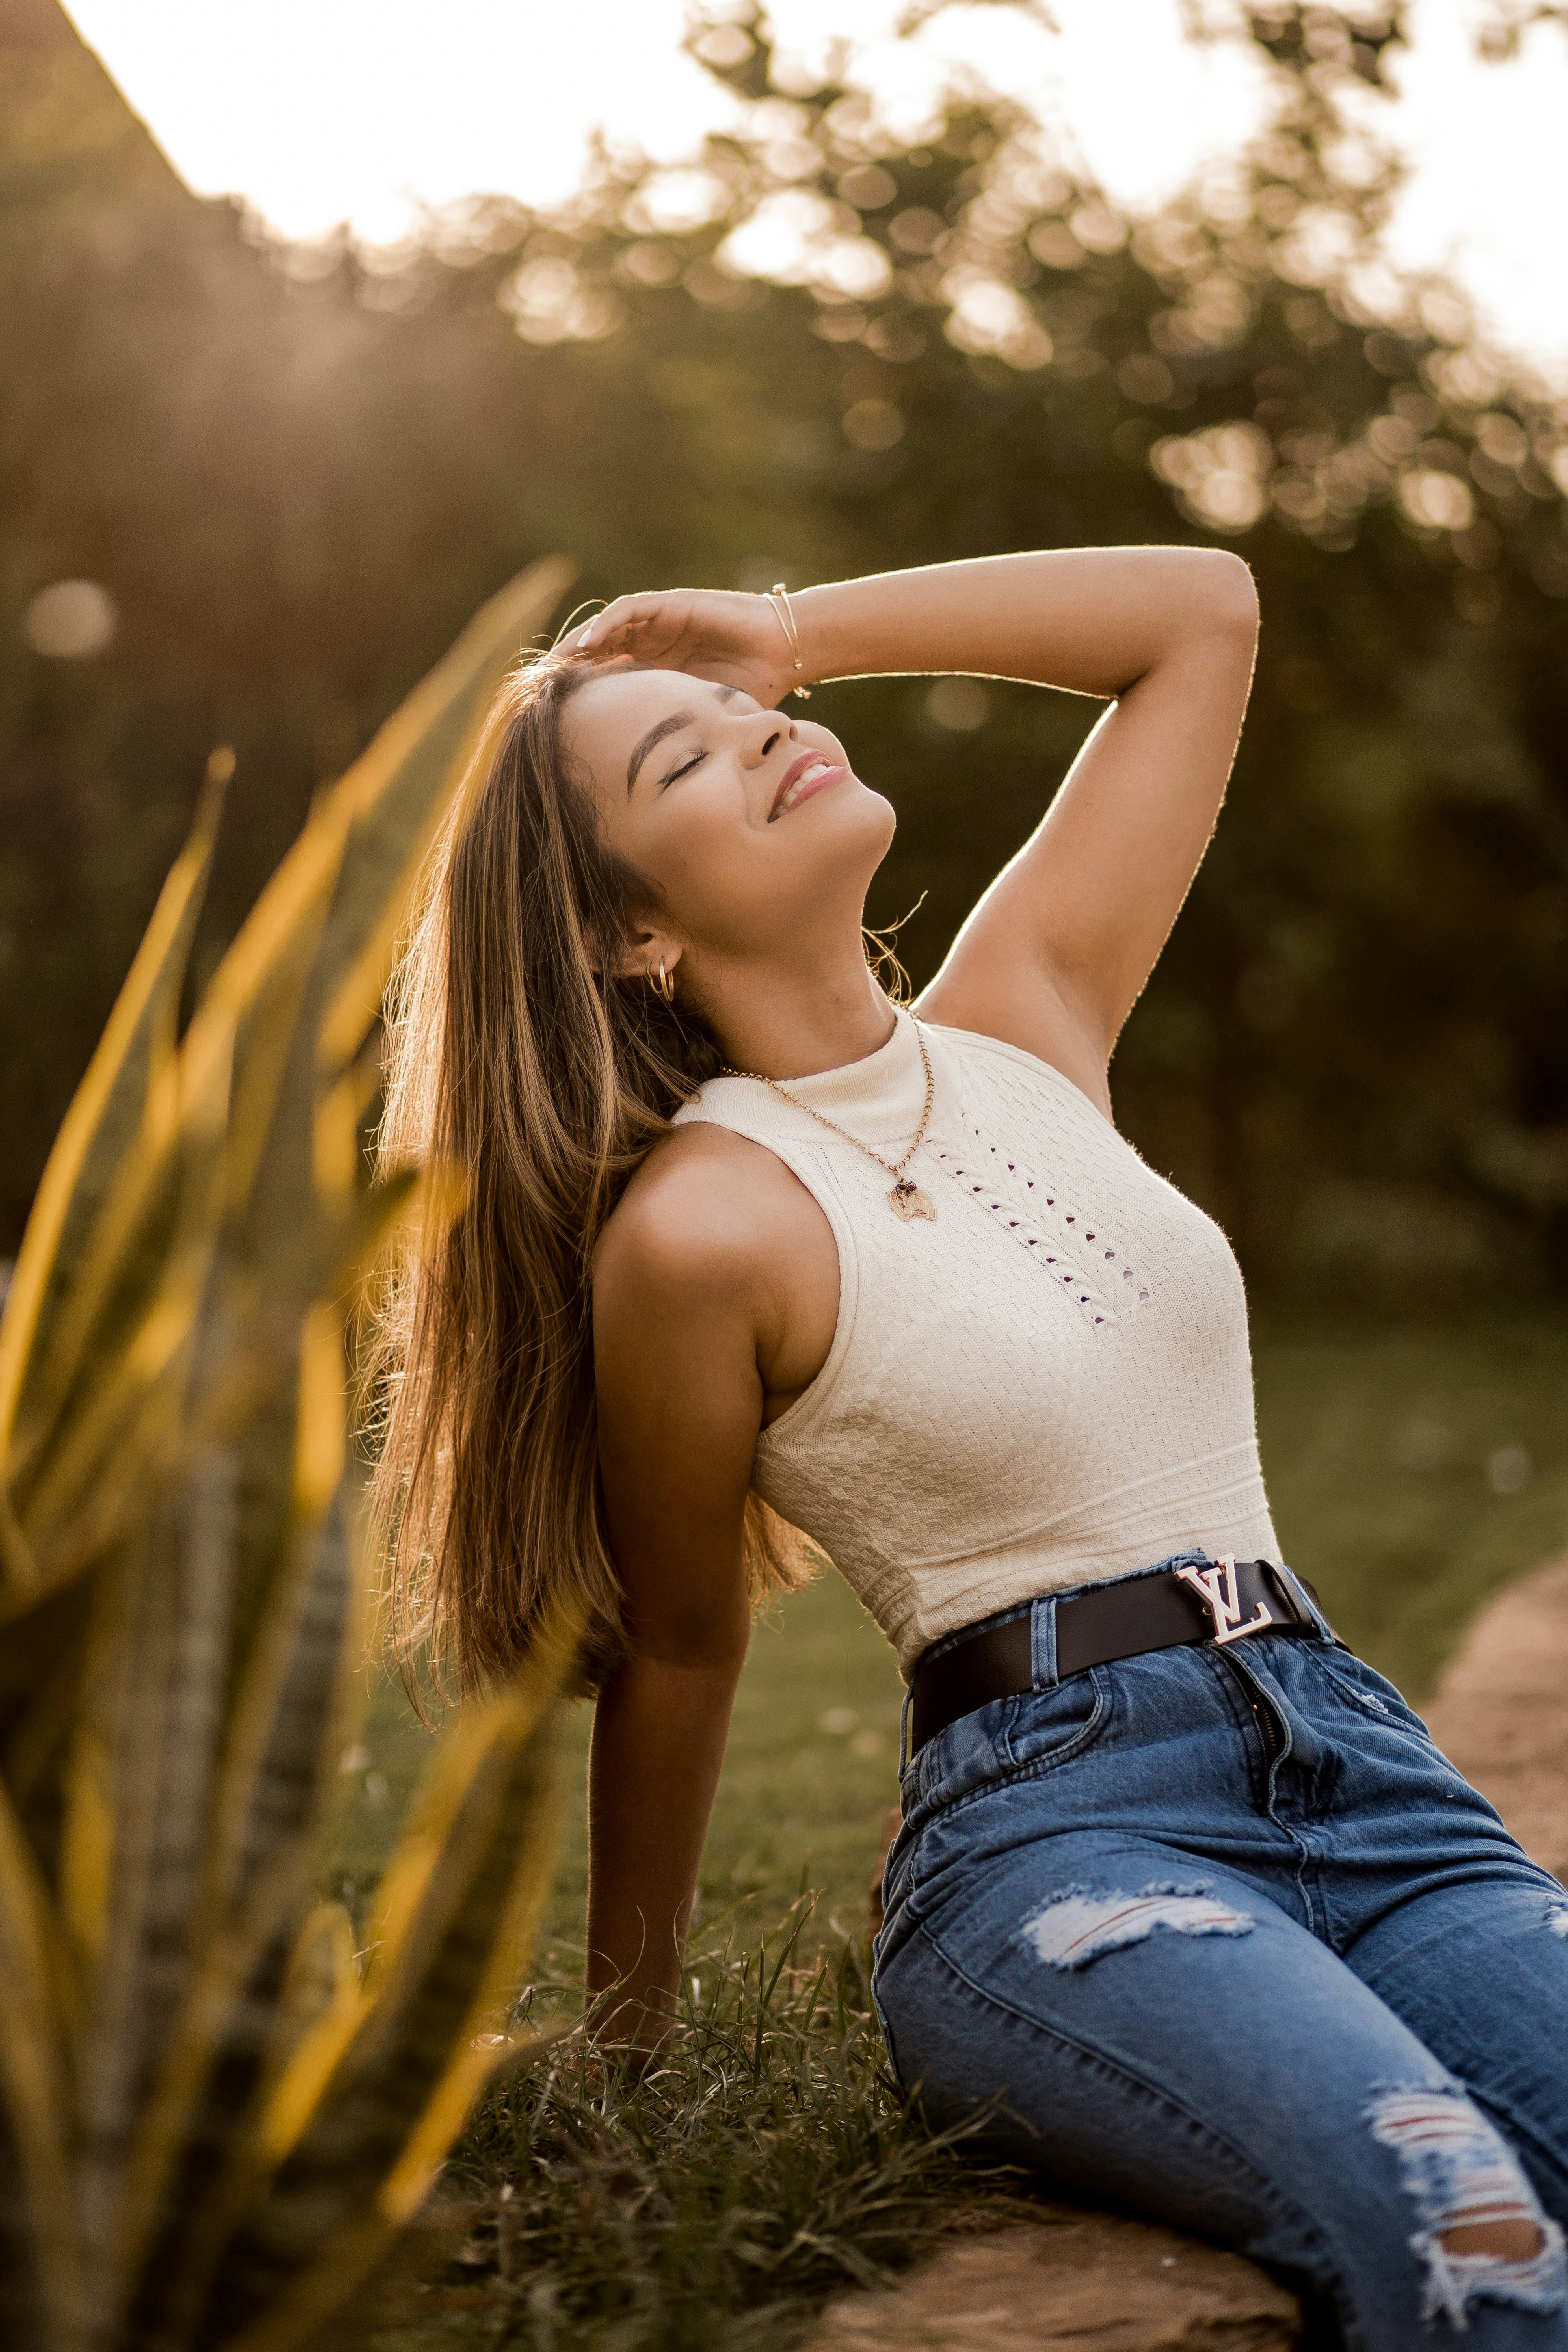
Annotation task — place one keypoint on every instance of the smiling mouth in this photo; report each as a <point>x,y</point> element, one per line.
<point>807,776</point>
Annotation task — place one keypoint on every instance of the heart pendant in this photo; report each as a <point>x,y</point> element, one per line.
<point>910,1201</point>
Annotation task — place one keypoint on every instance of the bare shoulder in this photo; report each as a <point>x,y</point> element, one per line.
<point>707,1210</point>
<point>717,1256</point>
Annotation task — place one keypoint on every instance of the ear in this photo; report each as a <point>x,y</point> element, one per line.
<point>648,945</point>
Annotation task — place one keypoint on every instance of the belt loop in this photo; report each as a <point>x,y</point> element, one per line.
<point>1043,1642</point>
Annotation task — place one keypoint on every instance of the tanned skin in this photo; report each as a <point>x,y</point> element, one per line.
<point>716,1284</point>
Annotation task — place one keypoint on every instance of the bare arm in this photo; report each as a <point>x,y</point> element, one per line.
<point>693,1331</point>
<point>658,1741</point>
<point>1057,950</point>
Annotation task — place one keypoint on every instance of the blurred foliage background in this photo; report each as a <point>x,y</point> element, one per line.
<point>248,492</point>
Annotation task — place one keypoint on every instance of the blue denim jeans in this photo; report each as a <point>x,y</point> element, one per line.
<point>1238,1949</point>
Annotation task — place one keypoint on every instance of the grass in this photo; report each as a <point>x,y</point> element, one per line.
<point>714,2206</point>
<point>811,1771</point>
<point>690,2209</point>
<point>1413,1472</point>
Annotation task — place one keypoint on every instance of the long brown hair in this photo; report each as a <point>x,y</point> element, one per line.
<point>518,1058</point>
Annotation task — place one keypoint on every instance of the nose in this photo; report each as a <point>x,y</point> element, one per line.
<point>766,731</point>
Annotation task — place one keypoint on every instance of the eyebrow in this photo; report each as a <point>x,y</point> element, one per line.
<point>656,735</point>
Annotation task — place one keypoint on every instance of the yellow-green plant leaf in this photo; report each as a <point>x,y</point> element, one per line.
<point>35,2110</point>
<point>245,2122</point>
<point>143,1430</point>
<point>323,1974</point>
<point>356,855</point>
<point>40,1685</point>
<point>391,812</point>
<point>284,1732</point>
<point>114,1431</point>
<point>109,1108</point>
<point>236,1061</point>
<point>350,2138</point>
<point>130,1688</point>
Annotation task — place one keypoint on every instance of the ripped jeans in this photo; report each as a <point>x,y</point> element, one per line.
<point>1239,1950</point>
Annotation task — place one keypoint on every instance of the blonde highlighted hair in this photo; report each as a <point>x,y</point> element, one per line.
<point>518,1057</point>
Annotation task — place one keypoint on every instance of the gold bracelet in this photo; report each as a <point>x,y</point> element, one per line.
<point>778,596</point>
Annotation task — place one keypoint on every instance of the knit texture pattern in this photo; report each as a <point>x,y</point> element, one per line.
<point>1050,1384</point>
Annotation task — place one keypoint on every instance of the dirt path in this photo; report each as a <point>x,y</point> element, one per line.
<point>1103,2285</point>
<point>1501,1711</point>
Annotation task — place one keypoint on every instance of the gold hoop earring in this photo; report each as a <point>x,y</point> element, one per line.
<point>662,983</point>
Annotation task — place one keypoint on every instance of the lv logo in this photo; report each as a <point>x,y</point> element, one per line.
<point>1215,1588</point>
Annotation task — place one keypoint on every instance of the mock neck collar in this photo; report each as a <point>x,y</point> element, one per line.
<point>877,1098</point>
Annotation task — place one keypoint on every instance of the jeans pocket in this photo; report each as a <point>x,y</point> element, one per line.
<point>1005,1740</point>
<point>980,1773</point>
<point>1044,1727</point>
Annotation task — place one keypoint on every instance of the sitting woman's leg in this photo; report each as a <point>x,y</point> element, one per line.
<point>1478,1970</point>
<point>1166,2038</point>
<point>1425,1896</point>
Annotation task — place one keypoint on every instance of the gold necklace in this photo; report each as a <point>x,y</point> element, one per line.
<point>906,1199</point>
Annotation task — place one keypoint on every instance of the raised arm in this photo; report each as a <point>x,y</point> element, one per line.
<point>1057,950</point>
<point>1055,955</point>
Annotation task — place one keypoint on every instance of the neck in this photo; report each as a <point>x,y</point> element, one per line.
<point>790,1022</point>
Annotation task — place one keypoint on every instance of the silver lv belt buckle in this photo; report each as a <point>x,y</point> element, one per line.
<point>1215,1588</point>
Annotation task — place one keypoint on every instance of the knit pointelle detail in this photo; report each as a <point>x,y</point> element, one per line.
<point>1047,1383</point>
<point>1100,1282</point>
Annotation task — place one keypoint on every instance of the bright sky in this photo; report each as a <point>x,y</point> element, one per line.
<point>318,111</point>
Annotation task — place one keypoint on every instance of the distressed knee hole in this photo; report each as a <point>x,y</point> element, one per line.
<point>1557,1919</point>
<point>1514,2241</point>
<point>1077,1926</point>
<point>1483,2237</point>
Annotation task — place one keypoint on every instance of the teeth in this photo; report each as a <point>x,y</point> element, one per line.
<point>817,767</point>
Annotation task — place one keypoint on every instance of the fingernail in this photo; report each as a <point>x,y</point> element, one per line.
<point>584,639</point>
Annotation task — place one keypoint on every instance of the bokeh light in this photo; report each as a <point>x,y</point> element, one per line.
<point>959,703</point>
<point>374,113</point>
<point>70,621</point>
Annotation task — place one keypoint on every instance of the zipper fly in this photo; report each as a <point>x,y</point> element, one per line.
<point>1265,1714</point>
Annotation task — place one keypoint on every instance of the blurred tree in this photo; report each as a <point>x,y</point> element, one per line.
<point>1506,22</point>
<point>823,347</point>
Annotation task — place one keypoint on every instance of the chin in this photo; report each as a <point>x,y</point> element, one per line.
<point>875,817</point>
<point>854,835</point>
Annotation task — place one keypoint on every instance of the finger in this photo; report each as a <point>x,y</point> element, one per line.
<point>624,614</point>
<point>644,647</point>
<point>603,627</point>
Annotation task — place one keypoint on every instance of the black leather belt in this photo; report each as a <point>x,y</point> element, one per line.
<point>1220,1603</point>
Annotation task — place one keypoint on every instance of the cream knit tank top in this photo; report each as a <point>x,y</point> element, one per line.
<point>1048,1385</point>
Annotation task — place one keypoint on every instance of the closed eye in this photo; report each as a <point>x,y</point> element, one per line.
<point>676,773</point>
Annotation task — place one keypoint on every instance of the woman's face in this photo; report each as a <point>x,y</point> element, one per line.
<point>752,823</point>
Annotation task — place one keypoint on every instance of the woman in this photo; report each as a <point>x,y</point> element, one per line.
<point>1179,1879</point>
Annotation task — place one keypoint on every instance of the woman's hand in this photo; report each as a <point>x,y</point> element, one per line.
<point>721,634</point>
